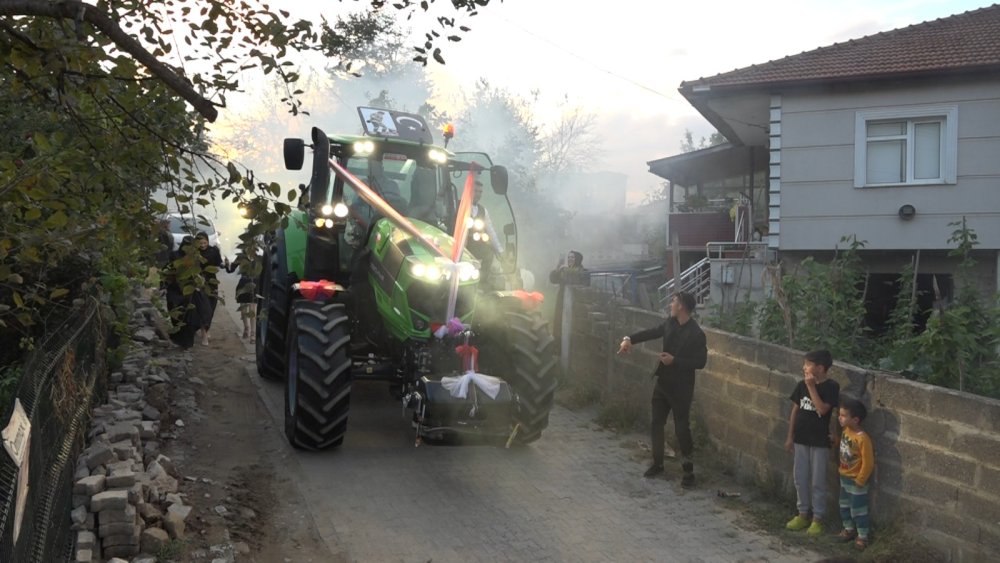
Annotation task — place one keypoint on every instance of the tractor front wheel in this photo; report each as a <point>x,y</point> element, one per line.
<point>522,351</point>
<point>318,375</point>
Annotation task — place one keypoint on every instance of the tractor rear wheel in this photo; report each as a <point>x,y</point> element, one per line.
<point>272,315</point>
<point>522,351</point>
<point>318,375</point>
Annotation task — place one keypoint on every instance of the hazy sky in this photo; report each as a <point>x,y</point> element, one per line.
<point>623,61</point>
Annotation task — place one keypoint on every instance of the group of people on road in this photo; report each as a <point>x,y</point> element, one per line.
<point>812,430</point>
<point>191,287</point>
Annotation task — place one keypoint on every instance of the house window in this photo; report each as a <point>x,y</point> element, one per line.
<point>911,146</point>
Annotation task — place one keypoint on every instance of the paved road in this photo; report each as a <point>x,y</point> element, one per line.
<point>575,495</point>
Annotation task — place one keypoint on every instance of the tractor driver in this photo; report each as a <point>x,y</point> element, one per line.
<point>483,243</point>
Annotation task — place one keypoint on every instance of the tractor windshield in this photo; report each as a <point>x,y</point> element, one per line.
<point>408,180</point>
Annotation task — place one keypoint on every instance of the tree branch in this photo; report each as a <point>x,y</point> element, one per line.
<point>74,10</point>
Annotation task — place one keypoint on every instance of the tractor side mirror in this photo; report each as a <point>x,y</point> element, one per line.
<point>498,177</point>
<point>295,153</point>
<point>509,229</point>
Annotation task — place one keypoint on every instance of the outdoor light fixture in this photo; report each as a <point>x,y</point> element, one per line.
<point>907,212</point>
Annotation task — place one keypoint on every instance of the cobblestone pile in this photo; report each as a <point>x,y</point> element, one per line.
<point>126,502</point>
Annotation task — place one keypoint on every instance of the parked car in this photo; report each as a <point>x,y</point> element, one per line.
<point>188,225</point>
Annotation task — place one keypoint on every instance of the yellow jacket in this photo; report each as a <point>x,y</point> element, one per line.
<point>857,458</point>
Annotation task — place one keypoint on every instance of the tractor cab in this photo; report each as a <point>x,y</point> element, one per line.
<point>423,182</point>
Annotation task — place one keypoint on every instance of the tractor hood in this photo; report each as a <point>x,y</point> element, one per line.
<point>412,282</point>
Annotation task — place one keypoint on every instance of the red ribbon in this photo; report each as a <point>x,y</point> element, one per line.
<point>470,357</point>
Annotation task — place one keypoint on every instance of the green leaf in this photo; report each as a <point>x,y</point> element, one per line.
<point>41,141</point>
<point>57,220</point>
<point>234,173</point>
<point>57,293</point>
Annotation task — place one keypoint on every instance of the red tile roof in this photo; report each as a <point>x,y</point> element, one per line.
<point>965,42</point>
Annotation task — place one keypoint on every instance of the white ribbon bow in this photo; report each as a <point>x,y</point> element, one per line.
<point>459,386</point>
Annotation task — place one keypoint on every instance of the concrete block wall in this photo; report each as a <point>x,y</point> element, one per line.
<point>937,450</point>
<point>939,464</point>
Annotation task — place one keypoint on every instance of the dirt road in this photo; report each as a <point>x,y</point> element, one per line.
<point>236,465</point>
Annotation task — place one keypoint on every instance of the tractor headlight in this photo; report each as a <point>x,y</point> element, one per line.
<point>364,147</point>
<point>485,237</point>
<point>476,237</point>
<point>320,222</point>
<point>327,210</point>
<point>467,271</point>
<point>433,273</point>
<point>437,156</point>
<point>478,224</point>
<point>418,270</point>
<point>340,210</point>
<point>329,223</point>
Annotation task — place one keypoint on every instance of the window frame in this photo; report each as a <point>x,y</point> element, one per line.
<point>946,115</point>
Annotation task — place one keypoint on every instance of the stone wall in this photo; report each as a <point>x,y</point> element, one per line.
<point>937,450</point>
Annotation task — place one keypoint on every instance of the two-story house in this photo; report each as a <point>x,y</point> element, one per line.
<point>891,138</point>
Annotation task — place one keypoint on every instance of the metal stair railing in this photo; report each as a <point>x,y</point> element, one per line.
<point>695,280</point>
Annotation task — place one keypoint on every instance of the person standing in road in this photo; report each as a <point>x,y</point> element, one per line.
<point>483,241</point>
<point>246,296</point>
<point>569,273</point>
<point>857,463</point>
<point>684,351</point>
<point>188,308</point>
<point>210,266</point>
<point>810,437</point>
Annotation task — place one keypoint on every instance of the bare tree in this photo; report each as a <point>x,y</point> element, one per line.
<point>571,145</point>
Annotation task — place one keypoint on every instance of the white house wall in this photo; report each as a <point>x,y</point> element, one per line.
<point>819,203</point>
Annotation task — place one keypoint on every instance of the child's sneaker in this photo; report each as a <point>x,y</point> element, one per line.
<point>815,529</point>
<point>798,523</point>
<point>846,535</point>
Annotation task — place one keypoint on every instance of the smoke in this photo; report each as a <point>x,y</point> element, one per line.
<point>560,199</point>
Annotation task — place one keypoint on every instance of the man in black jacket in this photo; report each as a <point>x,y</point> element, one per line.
<point>684,351</point>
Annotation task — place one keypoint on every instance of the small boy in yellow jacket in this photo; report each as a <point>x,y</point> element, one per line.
<point>857,461</point>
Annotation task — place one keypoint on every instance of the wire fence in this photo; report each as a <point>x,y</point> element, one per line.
<point>63,376</point>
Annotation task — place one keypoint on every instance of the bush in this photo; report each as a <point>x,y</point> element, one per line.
<point>822,306</point>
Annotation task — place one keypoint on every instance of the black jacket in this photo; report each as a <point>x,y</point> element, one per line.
<point>686,342</point>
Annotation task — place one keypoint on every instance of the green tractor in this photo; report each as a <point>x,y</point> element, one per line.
<point>365,283</point>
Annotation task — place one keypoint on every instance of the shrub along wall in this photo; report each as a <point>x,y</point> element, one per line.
<point>937,450</point>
